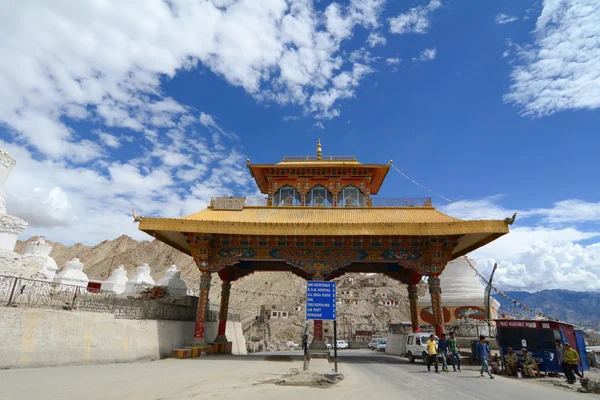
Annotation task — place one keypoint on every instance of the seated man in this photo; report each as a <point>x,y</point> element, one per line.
<point>530,367</point>
<point>512,362</point>
<point>495,364</point>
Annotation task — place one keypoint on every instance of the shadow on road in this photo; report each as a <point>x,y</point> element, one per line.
<point>344,357</point>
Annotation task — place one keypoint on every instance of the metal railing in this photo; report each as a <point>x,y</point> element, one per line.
<point>315,158</point>
<point>401,201</point>
<point>462,329</point>
<point>261,201</point>
<point>17,291</point>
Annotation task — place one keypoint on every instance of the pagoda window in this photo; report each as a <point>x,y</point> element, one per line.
<point>351,196</point>
<point>319,196</point>
<point>287,196</point>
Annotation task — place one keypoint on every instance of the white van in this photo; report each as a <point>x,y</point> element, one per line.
<point>415,346</point>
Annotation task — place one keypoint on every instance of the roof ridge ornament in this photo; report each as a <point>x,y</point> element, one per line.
<point>511,221</point>
<point>319,150</point>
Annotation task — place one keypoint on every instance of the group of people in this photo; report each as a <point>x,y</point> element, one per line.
<point>530,365</point>
<point>445,348</point>
<point>448,348</point>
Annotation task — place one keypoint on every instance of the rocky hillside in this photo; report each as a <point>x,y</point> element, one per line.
<point>281,290</point>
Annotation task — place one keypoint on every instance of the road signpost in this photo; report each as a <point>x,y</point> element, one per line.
<point>320,305</point>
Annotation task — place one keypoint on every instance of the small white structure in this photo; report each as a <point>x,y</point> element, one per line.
<point>140,280</point>
<point>462,292</point>
<point>72,274</point>
<point>10,226</point>
<point>36,259</point>
<point>117,281</point>
<point>173,282</point>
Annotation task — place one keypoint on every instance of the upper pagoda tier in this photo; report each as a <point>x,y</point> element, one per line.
<point>319,181</point>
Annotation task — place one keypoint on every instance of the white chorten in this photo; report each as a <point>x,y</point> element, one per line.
<point>117,281</point>
<point>10,226</point>
<point>72,274</point>
<point>141,279</point>
<point>462,291</point>
<point>172,280</point>
<point>37,261</point>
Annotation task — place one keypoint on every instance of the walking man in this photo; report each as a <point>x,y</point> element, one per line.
<point>454,351</point>
<point>483,351</point>
<point>572,358</point>
<point>443,350</point>
<point>560,350</point>
<point>432,353</point>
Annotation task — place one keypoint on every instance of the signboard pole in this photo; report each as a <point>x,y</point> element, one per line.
<point>487,300</point>
<point>335,343</point>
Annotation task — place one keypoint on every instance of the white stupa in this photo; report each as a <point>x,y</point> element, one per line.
<point>117,281</point>
<point>37,261</point>
<point>10,226</point>
<point>72,274</point>
<point>462,292</point>
<point>173,282</point>
<point>140,280</point>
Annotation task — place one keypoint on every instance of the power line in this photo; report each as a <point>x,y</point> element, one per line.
<point>437,194</point>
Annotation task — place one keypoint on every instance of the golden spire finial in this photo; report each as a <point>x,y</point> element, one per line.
<point>319,151</point>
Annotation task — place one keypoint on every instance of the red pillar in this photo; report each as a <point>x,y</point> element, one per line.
<point>199,340</point>
<point>435,290</point>
<point>225,291</point>
<point>413,297</point>
<point>317,342</point>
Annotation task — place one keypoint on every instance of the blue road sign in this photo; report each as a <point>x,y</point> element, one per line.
<point>320,300</point>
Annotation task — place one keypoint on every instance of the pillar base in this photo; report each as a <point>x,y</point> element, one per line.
<point>182,354</point>
<point>318,344</point>
<point>221,339</point>
<point>222,347</point>
<point>197,351</point>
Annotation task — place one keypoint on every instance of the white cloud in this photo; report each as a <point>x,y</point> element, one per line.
<point>71,204</point>
<point>538,258</point>
<point>547,254</point>
<point>505,19</point>
<point>376,39</point>
<point>106,62</point>
<point>288,118</point>
<point>416,20</point>
<point>561,69</point>
<point>319,125</point>
<point>426,55</point>
<point>109,140</point>
<point>486,208</point>
<point>568,211</point>
<point>42,208</point>
<point>393,60</point>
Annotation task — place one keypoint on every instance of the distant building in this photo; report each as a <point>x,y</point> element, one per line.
<point>268,312</point>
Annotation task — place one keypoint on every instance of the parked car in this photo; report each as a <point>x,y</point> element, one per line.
<point>342,344</point>
<point>373,343</point>
<point>382,344</point>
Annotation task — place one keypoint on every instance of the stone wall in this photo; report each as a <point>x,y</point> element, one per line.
<point>34,337</point>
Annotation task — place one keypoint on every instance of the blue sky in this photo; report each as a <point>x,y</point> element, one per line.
<point>155,107</point>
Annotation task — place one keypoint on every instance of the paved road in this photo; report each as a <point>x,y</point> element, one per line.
<point>392,375</point>
<point>368,375</point>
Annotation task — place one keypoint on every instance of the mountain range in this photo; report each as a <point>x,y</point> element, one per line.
<point>580,308</point>
<point>256,290</point>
